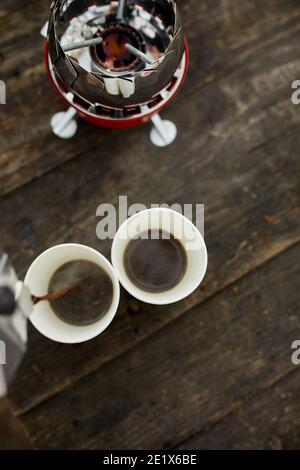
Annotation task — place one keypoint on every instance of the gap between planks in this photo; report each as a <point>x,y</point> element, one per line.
<point>226,286</point>
<point>235,407</point>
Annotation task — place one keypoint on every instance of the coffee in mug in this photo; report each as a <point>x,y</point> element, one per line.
<point>160,256</point>
<point>90,295</point>
<point>155,261</point>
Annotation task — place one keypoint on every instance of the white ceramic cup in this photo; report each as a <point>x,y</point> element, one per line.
<point>182,229</point>
<point>37,279</point>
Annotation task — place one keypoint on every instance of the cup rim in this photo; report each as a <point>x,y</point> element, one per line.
<point>144,296</point>
<point>107,318</point>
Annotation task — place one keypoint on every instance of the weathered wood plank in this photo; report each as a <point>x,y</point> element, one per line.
<point>238,114</point>
<point>230,37</point>
<point>235,100</point>
<point>189,375</point>
<point>269,420</point>
<point>239,237</point>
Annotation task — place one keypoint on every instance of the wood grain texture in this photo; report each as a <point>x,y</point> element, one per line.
<point>237,152</point>
<point>12,435</point>
<point>190,375</point>
<point>223,37</point>
<point>270,420</point>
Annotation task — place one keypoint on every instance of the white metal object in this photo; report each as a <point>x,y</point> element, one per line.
<point>15,310</point>
<point>163,132</point>
<point>133,50</point>
<point>44,30</point>
<point>63,124</point>
<point>80,45</point>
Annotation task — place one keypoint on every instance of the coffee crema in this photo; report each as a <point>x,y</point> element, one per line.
<point>156,261</point>
<point>91,295</point>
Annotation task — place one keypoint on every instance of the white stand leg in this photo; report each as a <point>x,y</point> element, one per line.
<point>63,124</point>
<point>163,133</point>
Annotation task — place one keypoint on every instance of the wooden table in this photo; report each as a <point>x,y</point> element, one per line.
<point>215,370</point>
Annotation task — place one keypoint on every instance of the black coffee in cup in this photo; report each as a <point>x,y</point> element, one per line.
<point>155,261</point>
<point>90,295</point>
